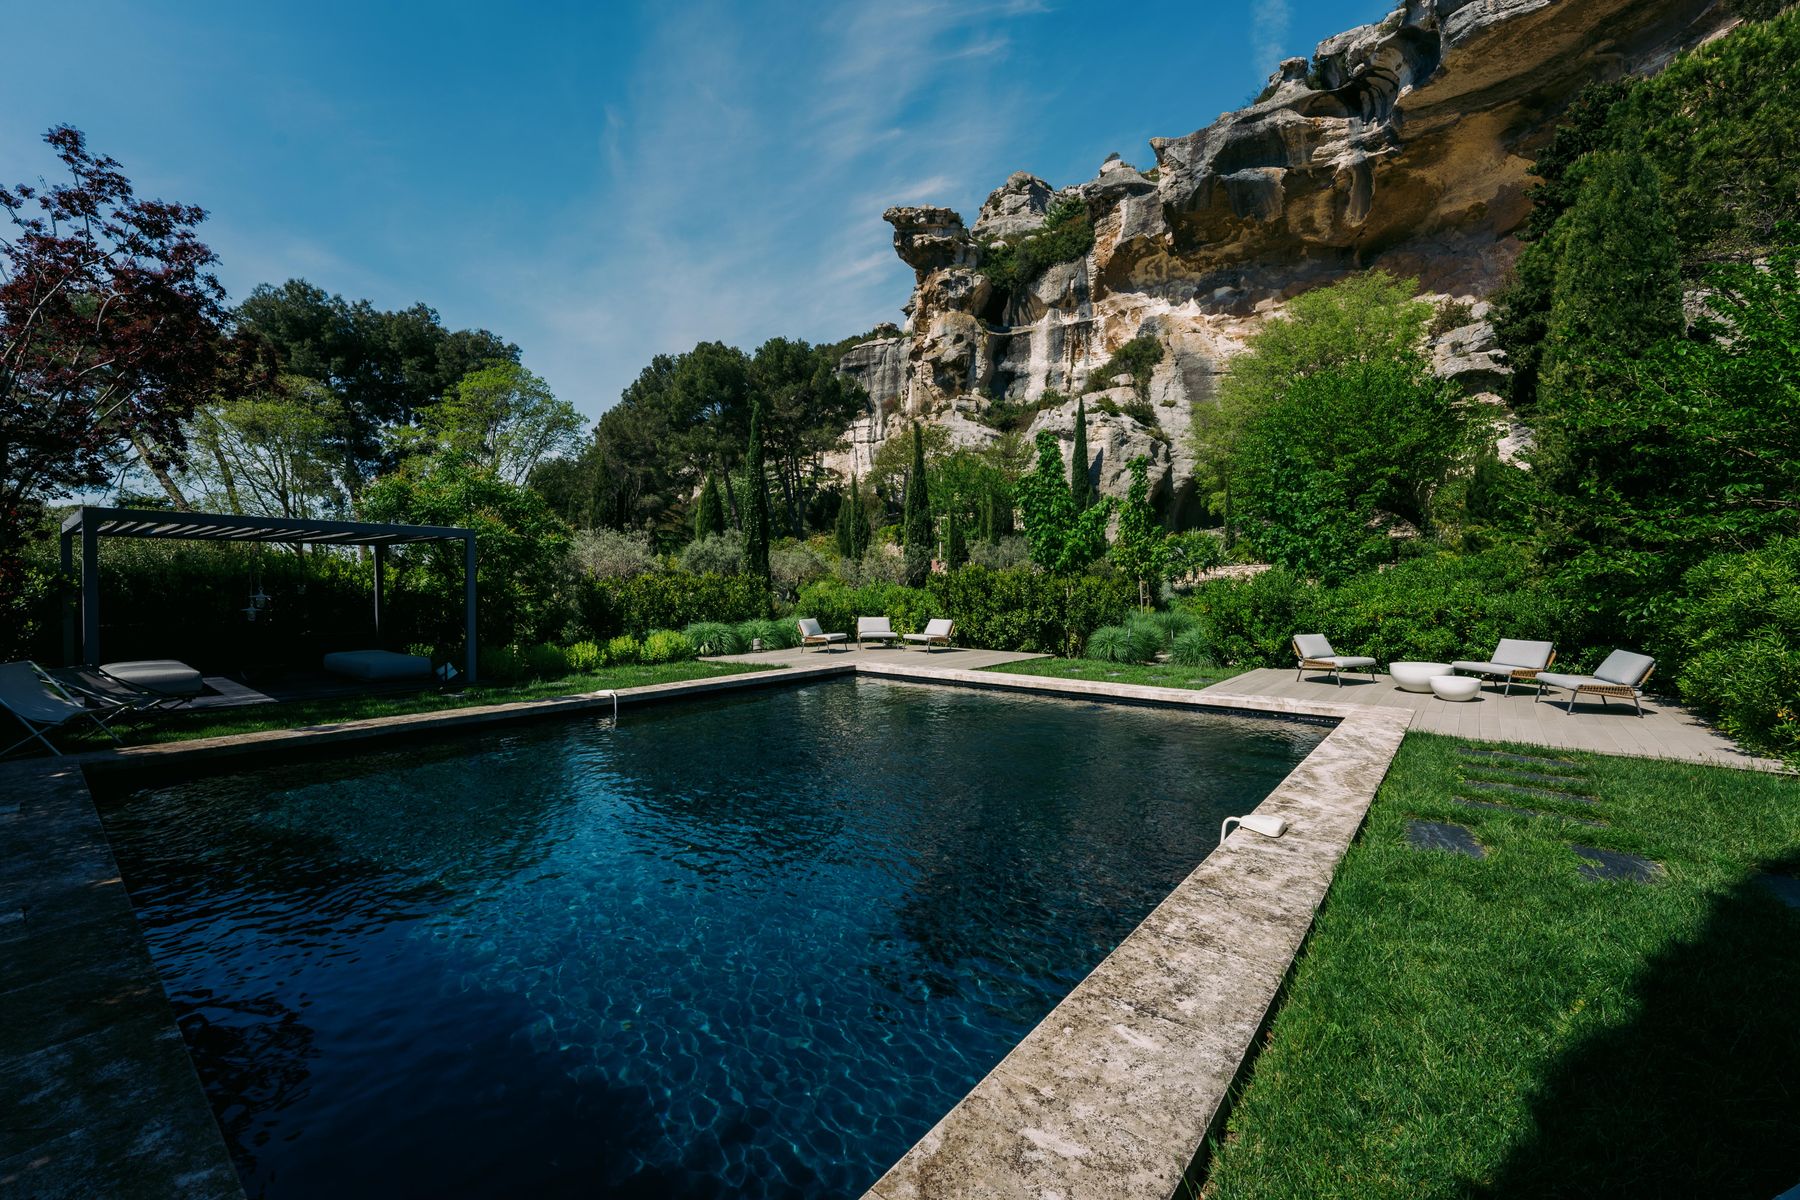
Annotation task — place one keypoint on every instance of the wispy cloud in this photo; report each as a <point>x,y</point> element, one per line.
<point>740,196</point>
<point>1269,22</point>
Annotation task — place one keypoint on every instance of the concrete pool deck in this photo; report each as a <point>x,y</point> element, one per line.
<point>1111,1095</point>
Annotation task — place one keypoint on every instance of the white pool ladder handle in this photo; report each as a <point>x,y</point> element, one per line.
<point>1268,826</point>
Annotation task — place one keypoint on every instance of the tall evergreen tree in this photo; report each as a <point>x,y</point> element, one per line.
<point>956,549</point>
<point>852,529</point>
<point>1081,487</point>
<point>1617,293</point>
<point>915,527</point>
<point>709,518</point>
<point>1140,549</point>
<point>756,503</point>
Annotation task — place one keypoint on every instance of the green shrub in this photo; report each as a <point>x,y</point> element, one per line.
<point>546,661</point>
<point>1025,609</point>
<point>1135,642</point>
<point>665,646</point>
<point>1739,634</point>
<point>1193,552</point>
<point>1135,360</point>
<point>1192,648</point>
<point>715,637</point>
<point>669,600</point>
<point>775,634</point>
<point>585,658</point>
<point>836,605</point>
<point>501,664</point>
<point>1065,236</point>
<point>622,650</point>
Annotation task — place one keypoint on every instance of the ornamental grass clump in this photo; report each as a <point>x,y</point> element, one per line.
<point>1172,623</point>
<point>1134,642</point>
<point>775,635</point>
<point>716,637</point>
<point>1192,648</point>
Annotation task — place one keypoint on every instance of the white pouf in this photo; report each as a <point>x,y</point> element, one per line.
<point>164,675</point>
<point>377,666</point>
<point>1416,676</point>
<point>1455,687</point>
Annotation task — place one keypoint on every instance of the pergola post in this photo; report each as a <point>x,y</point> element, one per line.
<point>68,604</point>
<point>90,590</point>
<point>469,601</point>
<point>380,590</point>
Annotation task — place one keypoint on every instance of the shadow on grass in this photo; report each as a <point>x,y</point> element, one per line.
<point>1700,1095</point>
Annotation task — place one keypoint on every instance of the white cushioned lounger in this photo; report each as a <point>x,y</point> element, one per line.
<point>163,675</point>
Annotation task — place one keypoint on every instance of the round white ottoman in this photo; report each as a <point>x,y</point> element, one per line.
<point>1455,687</point>
<point>1416,676</point>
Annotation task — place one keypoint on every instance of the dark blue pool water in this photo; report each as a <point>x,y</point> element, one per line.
<point>751,946</point>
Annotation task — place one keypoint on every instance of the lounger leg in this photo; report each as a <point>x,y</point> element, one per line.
<point>1640,705</point>
<point>1571,709</point>
<point>35,733</point>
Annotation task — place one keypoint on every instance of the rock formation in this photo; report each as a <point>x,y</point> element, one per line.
<point>1404,145</point>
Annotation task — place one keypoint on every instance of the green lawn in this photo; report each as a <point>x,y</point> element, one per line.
<point>1149,674</point>
<point>1504,1027</point>
<point>184,726</point>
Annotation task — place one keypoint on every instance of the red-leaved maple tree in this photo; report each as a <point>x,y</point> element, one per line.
<point>112,329</point>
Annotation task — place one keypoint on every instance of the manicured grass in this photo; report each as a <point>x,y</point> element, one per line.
<point>205,723</point>
<point>1504,1027</point>
<point>1148,674</point>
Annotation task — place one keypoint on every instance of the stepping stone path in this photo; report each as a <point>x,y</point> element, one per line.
<point>1785,887</point>
<point>1616,864</point>
<point>1441,835</point>
<point>1509,756</point>
<point>1518,789</point>
<point>1526,812</point>
<point>1514,775</point>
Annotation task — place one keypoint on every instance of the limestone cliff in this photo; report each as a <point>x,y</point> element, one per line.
<point>1404,145</point>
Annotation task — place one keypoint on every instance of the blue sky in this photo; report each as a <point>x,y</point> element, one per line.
<point>600,183</point>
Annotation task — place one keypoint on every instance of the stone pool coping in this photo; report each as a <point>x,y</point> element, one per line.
<point>1111,1095</point>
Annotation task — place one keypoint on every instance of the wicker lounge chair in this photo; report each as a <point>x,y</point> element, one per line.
<point>1313,652</point>
<point>875,629</point>
<point>938,632</point>
<point>1622,675</point>
<point>41,705</point>
<point>1513,660</point>
<point>812,635</point>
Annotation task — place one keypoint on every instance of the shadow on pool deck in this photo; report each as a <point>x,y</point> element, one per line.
<point>1700,1095</point>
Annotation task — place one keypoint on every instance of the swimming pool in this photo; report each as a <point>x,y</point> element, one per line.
<point>753,945</point>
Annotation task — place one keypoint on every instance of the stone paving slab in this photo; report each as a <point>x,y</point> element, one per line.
<point>1666,730</point>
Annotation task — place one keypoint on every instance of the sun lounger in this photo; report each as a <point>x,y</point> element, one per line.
<point>163,675</point>
<point>938,632</point>
<point>875,629</point>
<point>40,705</point>
<point>1622,675</point>
<point>110,694</point>
<point>1313,652</point>
<point>812,635</point>
<point>1513,660</point>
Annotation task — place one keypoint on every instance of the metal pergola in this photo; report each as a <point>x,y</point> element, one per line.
<point>90,524</point>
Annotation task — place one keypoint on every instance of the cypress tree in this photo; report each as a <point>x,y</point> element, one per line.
<point>859,521</point>
<point>709,518</point>
<point>1080,486</point>
<point>956,550</point>
<point>915,527</point>
<point>756,503</point>
<point>841,532</point>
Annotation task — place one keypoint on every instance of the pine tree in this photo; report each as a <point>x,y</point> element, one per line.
<point>1081,488</point>
<point>756,503</point>
<point>915,527</point>
<point>709,518</point>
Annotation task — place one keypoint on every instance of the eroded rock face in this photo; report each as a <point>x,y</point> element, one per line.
<point>1403,145</point>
